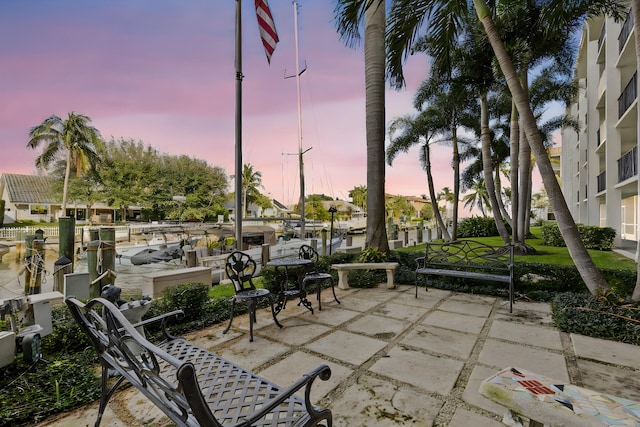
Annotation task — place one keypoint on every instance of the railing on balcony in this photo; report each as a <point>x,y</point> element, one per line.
<point>629,94</point>
<point>598,142</point>
<point>602,181</point>
<point>603,32</point>
<point>628,164</point>
<point>627,27</point>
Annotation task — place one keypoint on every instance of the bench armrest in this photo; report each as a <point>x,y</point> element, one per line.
<point>322,371</point>
<point>161,318</point>
<point>420,262</point>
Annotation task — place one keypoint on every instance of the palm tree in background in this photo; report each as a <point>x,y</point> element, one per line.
<point>73,138</point>
<point>423,129</point>
<point>478,197</point>
<point>358,196</point>
<point>251,183</point>
<point>349,14</point>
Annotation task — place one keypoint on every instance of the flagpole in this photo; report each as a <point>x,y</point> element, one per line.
<point>238,178</point>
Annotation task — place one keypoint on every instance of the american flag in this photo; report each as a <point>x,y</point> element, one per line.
<point>267,28</point>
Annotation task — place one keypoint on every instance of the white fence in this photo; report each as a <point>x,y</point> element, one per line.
<point>18,233</point>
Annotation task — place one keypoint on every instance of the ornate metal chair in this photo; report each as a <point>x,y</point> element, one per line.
<point>313,275</point>
<point>240,269</point>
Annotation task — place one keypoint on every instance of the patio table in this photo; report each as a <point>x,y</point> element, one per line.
<point>287,287</point>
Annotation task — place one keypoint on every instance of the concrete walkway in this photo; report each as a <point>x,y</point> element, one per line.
<point>398,360</point>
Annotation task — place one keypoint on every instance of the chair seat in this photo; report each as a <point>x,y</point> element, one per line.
<point>317,276</point>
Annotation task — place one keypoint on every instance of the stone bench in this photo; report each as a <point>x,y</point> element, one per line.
<point>191,385</point>
<point>343,270</point>
<point>546,401</point>
<point>154,283</point>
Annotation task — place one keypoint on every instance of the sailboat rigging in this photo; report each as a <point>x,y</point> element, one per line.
<point>301,152</point>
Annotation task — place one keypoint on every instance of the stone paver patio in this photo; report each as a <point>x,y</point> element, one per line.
<point>398,360</point>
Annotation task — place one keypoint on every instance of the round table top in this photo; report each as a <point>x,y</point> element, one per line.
<point>286,262</point>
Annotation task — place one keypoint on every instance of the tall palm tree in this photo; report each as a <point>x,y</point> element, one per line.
<point>406,20</point>
<point>74,138</point>
<point>349,14</point>
<point>407,131</point>
<point>592,277</point>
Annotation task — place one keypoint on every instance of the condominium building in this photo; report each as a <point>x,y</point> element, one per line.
<point>599,165</point>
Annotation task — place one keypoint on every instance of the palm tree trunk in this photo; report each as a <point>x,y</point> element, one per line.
<point>487,169</point>
<point>514,147</point>
<point>592,277</point>
<point>524,164</point>
<point>432,194</point>
<point>503,210</point>
<point>374,60</point>
<point>456,182</point>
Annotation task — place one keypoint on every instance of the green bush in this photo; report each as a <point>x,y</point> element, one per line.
<point>586,315</point>
<point>599,238</point>
<point>62,383</point>
<point>478,226</point>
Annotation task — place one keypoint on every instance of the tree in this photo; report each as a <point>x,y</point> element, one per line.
<point>407,131</point>
<point>407,19</point>
<point>359,196</point>
<point>251,182</point>
<point>74,138</point>
<point>478,197</point>
<point>349,14</point>
<point>592,277</point>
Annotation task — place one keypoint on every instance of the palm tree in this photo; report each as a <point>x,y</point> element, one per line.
<point>358,196</point>
<point>478,197</point>
<point>408,131</point>
<point>251,182</point>
<point>76,136</point>
<point>349,14</point>
<point>592,277</point>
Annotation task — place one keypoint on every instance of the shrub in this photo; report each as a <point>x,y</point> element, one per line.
<point>599,238</point>
<point>478,226</point>
<point>586,315</point>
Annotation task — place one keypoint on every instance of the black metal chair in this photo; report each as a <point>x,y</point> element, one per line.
<point>240,269</point>
<point>313,275</point>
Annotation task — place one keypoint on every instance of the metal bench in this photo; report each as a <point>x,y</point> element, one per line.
<point>468,259</point>
<point>191,385</point>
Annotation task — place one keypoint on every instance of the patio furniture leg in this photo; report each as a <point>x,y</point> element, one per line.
<point>233,304</point>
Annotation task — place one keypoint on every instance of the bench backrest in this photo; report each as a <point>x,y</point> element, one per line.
<point>168,382</point>
<point>469,254</point>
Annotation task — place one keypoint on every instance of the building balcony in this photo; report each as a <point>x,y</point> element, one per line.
<point>628,96</point>
<point>628,165</point>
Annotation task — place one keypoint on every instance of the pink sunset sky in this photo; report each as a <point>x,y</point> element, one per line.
<point>162,72</point>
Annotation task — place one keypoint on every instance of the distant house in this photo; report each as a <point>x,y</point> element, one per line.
<point>34,198</point>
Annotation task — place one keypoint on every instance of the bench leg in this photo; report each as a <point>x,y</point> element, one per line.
<point>390,283</point>
<point>343,283</point>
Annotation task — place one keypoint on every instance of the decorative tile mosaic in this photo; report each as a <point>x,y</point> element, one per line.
<point>529,392</point>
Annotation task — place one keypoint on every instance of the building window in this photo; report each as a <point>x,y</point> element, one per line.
<point>38,210</point>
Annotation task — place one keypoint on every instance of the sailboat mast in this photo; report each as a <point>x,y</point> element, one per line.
<point>238,179</point>
<point>300,152</point>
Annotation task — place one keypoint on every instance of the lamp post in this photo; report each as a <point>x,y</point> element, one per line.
<point>332,211</point>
